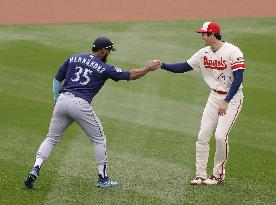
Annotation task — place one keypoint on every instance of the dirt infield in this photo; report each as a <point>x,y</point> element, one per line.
<point>72,11</point>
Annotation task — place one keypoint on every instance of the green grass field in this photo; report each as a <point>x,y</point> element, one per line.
<point>151,124</point>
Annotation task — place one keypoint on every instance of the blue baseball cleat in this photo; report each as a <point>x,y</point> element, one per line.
<point>105,182</point>
<point>30,180</point>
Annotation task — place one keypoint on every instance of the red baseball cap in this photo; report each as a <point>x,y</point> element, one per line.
<point>209,27</point>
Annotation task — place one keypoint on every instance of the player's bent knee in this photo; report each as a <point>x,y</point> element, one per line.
<point>220,138</point>
<point>100,140</point>
<point>53,139</point>
<point>204,137</point>
<point>202,141</point>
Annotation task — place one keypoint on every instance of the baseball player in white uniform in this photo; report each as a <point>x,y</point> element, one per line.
<point>222,66</point>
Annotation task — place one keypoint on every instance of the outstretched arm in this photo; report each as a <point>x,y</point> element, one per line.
<point>138,73</point>
<point>177,67</point>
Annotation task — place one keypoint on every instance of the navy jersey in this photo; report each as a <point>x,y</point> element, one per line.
<point>85,74</point>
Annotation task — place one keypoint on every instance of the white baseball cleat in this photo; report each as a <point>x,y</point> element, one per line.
<point>212,180</point>
<point>197,181</point>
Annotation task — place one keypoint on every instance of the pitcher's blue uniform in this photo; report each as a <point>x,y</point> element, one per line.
<point>83,76</point>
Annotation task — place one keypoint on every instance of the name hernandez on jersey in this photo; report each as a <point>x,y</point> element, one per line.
<point>88,62</point>
<point>85,74</point>
<point>217,67</point>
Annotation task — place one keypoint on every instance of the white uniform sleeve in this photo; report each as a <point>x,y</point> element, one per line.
<point>236,60</point>
<point>194,61</point>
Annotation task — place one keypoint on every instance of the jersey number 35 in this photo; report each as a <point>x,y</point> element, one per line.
<point>82,73</point>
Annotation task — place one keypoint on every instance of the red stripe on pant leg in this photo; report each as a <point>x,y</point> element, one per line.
<point>226,157</point>
<point>226,138</point>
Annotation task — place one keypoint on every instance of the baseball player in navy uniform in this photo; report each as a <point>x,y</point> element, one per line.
<point>83,76</point>
<point>222,66</point>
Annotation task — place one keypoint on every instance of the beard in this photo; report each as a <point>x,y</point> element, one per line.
<point>104,59</point>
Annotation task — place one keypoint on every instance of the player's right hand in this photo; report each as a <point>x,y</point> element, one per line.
<point>222,108</point>
<point>154,64</point>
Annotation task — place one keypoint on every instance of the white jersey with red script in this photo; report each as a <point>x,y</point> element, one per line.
<point>217,67</point>
<point>217,70</point>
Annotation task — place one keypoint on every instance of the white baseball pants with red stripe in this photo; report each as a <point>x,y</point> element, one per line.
<point>222,125</point>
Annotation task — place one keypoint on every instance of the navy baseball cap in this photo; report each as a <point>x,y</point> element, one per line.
<point>102,43</point>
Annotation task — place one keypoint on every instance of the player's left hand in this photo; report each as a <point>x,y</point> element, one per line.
<point>222,108</point>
